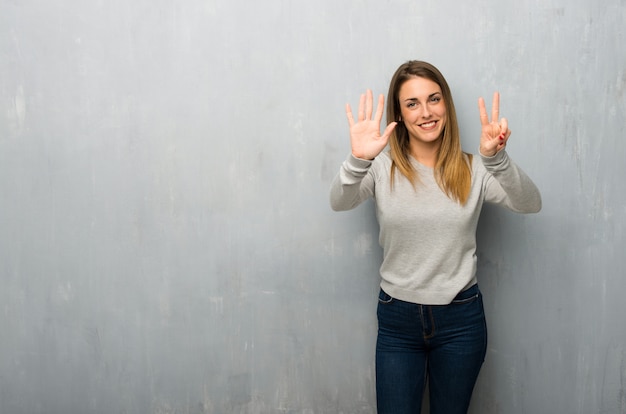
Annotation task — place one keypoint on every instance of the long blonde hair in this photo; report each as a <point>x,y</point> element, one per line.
<point>453,166</point>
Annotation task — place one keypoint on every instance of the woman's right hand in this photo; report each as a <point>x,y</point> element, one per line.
<point>365,137</point>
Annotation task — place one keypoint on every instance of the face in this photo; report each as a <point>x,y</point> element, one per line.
<point>422,109</point>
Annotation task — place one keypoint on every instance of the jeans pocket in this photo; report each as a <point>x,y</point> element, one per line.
<point>467,296</point>
<point>466,300</point>
<point>384,298</point>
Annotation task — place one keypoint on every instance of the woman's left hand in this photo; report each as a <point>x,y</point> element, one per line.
<point>495,132</point>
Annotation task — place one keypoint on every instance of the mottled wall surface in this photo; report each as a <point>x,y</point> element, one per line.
<point>166,243</point>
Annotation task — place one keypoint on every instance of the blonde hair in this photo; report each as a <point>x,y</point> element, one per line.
<point>453,166</point>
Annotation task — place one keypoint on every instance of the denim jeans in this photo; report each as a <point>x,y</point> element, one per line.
<point>445,344</point>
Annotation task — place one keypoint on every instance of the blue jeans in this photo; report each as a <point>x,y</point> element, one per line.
<point>444,343</point>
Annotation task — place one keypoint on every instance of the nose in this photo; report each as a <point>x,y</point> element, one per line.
<point>426,111</point>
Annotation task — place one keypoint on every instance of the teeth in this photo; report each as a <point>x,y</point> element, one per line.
<point>428,124</point>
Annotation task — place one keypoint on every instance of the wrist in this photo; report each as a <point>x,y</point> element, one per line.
<point>486,153</point>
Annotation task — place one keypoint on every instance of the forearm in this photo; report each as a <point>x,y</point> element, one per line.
<point>519,193</point>
<point>350,186</point>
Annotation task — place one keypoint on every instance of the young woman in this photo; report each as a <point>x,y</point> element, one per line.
<point>428,195</point>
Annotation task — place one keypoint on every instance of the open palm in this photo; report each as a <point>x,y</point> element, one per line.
<point>365,137</point>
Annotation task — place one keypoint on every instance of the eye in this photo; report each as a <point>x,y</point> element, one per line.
<point>435,99</point>
<point>411,105</point>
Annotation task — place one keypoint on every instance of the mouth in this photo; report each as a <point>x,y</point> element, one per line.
<point>428,125</point>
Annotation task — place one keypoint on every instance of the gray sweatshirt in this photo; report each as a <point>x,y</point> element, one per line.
<point>428,239</point>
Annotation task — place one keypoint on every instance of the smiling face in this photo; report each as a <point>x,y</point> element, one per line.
<point>423,110</point>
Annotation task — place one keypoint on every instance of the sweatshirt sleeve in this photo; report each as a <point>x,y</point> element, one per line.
<point>352,185</point>
<point>507,185</point>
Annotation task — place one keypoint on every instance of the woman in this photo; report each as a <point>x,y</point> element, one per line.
<point>428,195</point>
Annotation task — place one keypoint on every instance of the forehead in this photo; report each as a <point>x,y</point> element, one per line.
<point>417,87</point>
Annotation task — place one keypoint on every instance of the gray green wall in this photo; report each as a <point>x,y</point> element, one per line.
<point>166,241</point>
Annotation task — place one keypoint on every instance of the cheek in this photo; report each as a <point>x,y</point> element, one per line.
<point>406,115</point>
<point>443,117</point>
<point>402,113</point>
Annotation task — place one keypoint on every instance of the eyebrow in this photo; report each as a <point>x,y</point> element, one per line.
<point>416,99</point>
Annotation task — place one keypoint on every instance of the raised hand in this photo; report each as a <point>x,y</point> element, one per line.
<point>365,137</point>
<point>495,132</point>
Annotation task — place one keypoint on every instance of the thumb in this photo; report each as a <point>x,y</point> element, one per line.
<point>387,132</point>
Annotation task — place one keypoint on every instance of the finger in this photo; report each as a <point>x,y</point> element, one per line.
<point>362,108</point>
<point>380,107</point>
<point>369,103</point>
<point>484,119</point>
<point>504,127</point>
<point>349,115</point>
<point>495,107</point>
<point>387,132</point>
<point>503,141</point>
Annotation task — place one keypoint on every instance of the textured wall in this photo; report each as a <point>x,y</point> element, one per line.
<point>166,243</point>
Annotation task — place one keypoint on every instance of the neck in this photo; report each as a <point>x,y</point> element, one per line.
<point>425,153</point>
